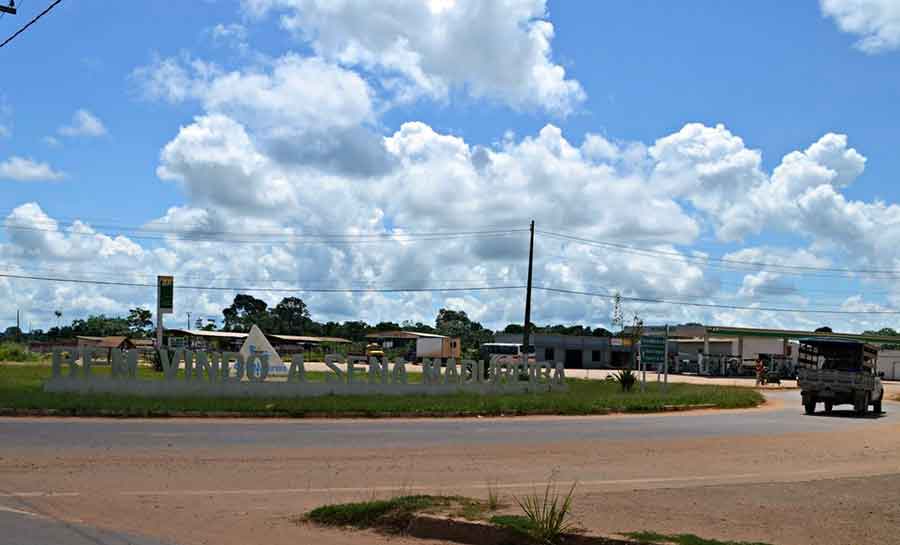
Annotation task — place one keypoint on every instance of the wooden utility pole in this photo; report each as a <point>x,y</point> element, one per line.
<point>10,9</point>
<point>526,332</point>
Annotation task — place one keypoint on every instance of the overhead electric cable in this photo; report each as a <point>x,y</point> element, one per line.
<point>704,259</point>
<point>715,305</point>
<point>285,238</point>
<point>236,288</point>
<point>31,22</point>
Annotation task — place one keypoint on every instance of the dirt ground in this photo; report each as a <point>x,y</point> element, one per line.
<point>823,488</point>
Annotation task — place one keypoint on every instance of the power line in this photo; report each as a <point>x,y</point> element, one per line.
<point>759,265</point>
<point>774,290</point>
<point>161,229</point>
<point>715,305</point>
<point>31,22</point>
<point>257,289</point>
<point>373,238</point>
<point>454,289</point>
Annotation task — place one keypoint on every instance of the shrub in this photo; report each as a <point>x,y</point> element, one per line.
<point>547,514</point>
<point>626,379</point>
<point>493,501</point>
<point>17,352</point>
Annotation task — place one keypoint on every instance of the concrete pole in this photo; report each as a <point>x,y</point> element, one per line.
<point>666,362</point>
<point>705,352</point>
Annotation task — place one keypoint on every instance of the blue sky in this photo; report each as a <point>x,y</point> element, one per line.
<point>777,76</point>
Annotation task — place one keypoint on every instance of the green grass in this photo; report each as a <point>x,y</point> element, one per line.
<point>19,353</point>
<point>517,523</point>
<point>21,387</point>
<point>683,539</point>
<point>391,513</point>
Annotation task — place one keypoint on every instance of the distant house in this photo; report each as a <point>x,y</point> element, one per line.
<point>199,339</point>
<point>116,342</point>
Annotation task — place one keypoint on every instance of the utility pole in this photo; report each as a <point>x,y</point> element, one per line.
<point>666,362</point>
<point>18,327</point>
<point>189,320</point>
<point>11,9</point>
<point>526,332</point>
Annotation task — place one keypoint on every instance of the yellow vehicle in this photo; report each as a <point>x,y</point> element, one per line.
<point>374,350</point>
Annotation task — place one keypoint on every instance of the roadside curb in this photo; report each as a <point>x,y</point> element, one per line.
<point>104,413</point>
<point>484,533</point>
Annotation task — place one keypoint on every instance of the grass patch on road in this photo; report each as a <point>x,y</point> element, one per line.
<point>394,513</point>
<point>21,388</point>
<point>683,539</point>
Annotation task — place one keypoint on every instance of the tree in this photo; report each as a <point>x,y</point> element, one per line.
<point>455,323</point>
<point>387,326</point>
<point>884,332</point>
<point>140,321</point>
<point>514,329</point>
<point>824,329</point>
<point>244,312</point>
<point>99,325</point>
<point>290,316</point>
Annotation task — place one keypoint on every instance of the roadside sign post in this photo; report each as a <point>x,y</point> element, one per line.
<point>165,297</point>
<point>653,350</point>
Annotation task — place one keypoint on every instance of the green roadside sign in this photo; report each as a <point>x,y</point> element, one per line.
<point>653,350</point>
<point>165,294</point>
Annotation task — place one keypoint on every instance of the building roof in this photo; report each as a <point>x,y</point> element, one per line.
<point>796,334</point>
<point>307,339</point>
<point>209,334</point>
<point>402,335</point>
<point>114,341</point>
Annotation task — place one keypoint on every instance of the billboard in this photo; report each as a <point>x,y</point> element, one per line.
<point>165,294</point>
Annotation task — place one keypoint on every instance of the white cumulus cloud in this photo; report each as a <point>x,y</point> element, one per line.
<point>84,123</point>
<point>500,50</point>
<point>22,169</point>
<point>877,22</point>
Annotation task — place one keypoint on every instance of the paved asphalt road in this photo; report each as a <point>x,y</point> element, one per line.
<point>98,433</point>
<point>22,521</point>
<point>22,527</point>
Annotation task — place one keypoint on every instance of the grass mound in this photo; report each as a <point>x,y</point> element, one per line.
<point>394,513</point>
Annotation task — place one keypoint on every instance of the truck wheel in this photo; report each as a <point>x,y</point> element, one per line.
<point>810,407</point>
<point>862,406</point>
<point>876,407</point>
<point>828,407</point>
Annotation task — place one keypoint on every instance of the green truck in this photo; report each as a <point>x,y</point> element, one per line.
<point>836,371</point>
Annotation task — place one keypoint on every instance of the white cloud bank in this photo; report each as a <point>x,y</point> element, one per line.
<point>500,50</point>
<point>22,169</point>
<point>877,22</point>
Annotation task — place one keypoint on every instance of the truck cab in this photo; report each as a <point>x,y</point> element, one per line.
<point>837,371</point>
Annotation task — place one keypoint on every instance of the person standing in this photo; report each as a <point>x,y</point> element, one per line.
<point>760,369</point>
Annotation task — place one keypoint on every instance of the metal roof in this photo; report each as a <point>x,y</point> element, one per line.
<point>402,335</point>
<point>308,339</point>
<point>114,341</point>
<point>204,333</point>
<point>796,334</point>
